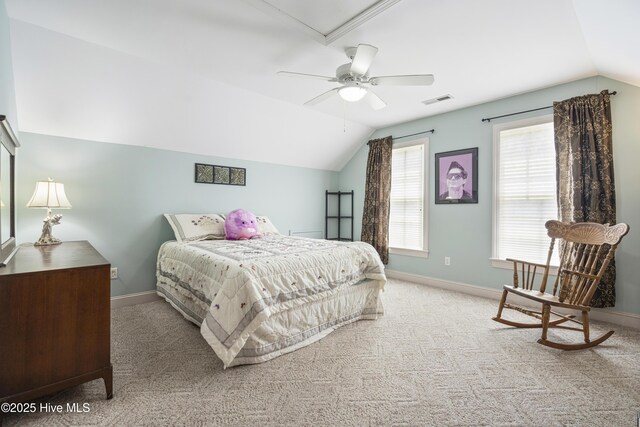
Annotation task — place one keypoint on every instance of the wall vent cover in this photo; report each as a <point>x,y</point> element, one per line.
<point>438,99</point>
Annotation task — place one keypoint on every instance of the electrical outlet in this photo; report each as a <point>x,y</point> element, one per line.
<point>114,272</point>
<point>447,260</point>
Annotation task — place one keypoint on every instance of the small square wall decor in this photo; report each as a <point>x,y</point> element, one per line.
<point>220,175</point>
<point>237,176</point>
<point>204,173</point>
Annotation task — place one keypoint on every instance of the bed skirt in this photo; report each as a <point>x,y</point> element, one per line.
<point>291,329</point>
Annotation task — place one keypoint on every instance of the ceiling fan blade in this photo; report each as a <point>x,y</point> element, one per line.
<point>318,99</point>
<point>362,59</point>
<point>411,80</point>
<point>308,76</point>
<point>374,100</point>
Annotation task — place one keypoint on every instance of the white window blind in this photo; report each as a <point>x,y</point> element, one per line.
<point>525,191</point>
<point>407,214</point>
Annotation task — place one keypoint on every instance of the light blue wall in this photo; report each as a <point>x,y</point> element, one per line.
<point>120,192</point>
<point>463,232</point>
<point>7,87</point>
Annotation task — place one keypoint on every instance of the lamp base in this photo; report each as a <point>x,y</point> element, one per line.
<point>47,240</point>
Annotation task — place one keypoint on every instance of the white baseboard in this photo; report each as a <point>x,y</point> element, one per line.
<point>631,320</point>
<point>133,299</point>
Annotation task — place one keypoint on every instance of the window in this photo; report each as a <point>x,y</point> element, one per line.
<point>524,190</point>
<point>408,213</point>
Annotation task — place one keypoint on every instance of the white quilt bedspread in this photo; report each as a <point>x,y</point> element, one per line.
<point>255,279</point>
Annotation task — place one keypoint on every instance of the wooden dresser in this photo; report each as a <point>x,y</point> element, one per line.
<point>55,320</point>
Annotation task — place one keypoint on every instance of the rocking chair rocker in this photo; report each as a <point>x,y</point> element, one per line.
<point>585,252</point>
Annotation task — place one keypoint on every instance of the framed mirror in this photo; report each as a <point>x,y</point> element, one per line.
<point>8,145</point>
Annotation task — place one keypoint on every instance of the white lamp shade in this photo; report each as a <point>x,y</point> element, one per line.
<point>49,194</point>
<point>352,93</point>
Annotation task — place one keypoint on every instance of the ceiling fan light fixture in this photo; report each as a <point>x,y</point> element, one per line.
<point>355,80</point>
<point>352,93</point>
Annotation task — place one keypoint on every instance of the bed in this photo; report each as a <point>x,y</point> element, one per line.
<point>258,299</point>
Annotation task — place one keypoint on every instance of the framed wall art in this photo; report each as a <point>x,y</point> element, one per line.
<point>457,176</point>
<point>215,174</point>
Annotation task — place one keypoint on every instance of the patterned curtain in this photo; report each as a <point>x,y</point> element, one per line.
<point>375,216</point>
<point>584,171</point>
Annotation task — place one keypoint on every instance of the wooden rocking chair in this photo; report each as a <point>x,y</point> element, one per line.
<point>585,252</point>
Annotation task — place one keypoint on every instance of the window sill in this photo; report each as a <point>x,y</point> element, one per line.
<point>508,265</point>
<point>409,252</point>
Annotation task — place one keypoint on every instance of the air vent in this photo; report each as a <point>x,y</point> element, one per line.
<point>438,99</point>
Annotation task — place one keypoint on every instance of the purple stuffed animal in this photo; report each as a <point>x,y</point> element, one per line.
<point>240,225</point>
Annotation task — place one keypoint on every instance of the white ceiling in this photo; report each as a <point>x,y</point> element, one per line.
<point>200,75</point>
<point>322,16</point>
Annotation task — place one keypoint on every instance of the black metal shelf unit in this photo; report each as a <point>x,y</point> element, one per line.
<point>339,216</point>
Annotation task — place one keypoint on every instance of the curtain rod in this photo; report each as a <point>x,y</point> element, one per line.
<point>528,111</point>
<point>414,134</point>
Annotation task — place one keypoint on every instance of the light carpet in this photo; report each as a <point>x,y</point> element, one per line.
<point>435,359</point>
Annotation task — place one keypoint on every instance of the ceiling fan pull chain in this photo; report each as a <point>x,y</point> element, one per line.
<point>344,116</point>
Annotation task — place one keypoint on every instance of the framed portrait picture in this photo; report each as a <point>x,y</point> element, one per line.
<point>457,176</point>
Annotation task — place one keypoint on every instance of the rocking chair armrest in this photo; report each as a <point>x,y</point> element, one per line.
<point>527,262</point>
<point>528,274</point>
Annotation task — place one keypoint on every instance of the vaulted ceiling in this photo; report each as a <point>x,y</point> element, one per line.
<point>200,75</point>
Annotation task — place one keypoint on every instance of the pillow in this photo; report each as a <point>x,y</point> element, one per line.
<point>265,227</point>
<point>190,227</point>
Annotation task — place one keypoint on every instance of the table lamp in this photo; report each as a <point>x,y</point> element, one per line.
<point>48,195</point>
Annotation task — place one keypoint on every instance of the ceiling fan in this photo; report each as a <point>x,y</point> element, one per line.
<point>355,81</point>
